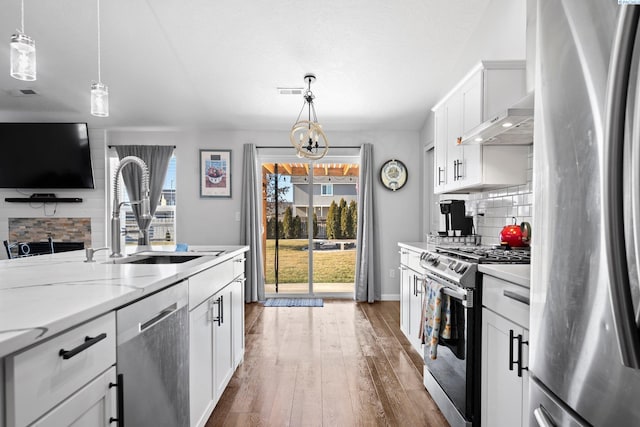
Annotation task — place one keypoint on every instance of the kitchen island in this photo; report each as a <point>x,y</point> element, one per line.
<point>46,300</point>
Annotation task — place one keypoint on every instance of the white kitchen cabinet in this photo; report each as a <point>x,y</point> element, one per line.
<point>504,387</point>
<point>490,87</point>
<point>411,296</point>
<point>43,377</point>
<point>94,405</point>
<point>237,323</point>
<point>440,150</point>
<point>216,334</point>
<point>201,395</point>
<point>222,340</point>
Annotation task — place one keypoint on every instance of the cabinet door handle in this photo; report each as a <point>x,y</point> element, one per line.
<point>221,309</point>
<point>520,343</point>
<point>218,302</point>
<point>440,180</point>
<point>88,342</point>
<point>456,170</point>
<point>120,404</point>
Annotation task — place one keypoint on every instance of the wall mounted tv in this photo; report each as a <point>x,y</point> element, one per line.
<point>45,155</point>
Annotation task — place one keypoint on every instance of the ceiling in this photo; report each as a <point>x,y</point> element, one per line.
<point>379,64</point>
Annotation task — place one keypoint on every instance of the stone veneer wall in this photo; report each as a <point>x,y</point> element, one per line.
<point>60,229</point>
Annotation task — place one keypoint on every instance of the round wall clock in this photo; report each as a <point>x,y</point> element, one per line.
<point>393,174</point>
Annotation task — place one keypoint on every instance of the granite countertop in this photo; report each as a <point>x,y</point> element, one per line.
<point>520,274</point>
<point>43,295</point>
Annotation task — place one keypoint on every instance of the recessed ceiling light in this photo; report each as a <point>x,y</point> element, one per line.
<point>507,125</point>
<point>478,139</point>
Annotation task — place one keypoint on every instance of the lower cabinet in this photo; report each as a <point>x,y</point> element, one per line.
<point>93,405</point>
<point>216,345</point>
<point>505,378</point>
<point>411,294</point>
<point>64,380</point>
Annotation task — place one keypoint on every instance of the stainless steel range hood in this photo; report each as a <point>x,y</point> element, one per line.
<point>513,126</point>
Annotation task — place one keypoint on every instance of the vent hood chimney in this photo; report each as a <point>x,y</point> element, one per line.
<point>514,125</point>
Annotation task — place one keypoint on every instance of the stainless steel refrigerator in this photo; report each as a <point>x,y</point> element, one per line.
<point>584,349</point>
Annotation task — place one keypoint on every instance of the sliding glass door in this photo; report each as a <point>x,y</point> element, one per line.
<point>309,223</point>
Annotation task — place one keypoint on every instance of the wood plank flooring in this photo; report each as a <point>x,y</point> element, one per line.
<point>344,364</point>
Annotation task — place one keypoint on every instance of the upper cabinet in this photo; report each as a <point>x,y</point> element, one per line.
<point>490,87</point>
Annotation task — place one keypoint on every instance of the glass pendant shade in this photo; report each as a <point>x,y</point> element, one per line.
<point>23,57</point>
<point>99,100</point>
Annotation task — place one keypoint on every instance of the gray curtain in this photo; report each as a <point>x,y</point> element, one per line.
<point>368,286</point>
<point>157,159</point>
<point>251,224</point>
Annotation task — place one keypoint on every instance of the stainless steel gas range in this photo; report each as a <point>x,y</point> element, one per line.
<point>453,378</point>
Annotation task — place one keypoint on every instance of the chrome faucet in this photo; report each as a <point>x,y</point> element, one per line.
<point>91,251</point>
<point>144,202</point>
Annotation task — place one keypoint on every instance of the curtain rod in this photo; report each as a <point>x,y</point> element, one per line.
<point>291,146</point>
<point>114,146</point>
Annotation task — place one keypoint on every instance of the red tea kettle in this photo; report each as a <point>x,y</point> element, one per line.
<point>516,235</point>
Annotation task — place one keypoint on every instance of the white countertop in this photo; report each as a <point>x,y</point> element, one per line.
<point>520,274</point>
<point>43,295</point>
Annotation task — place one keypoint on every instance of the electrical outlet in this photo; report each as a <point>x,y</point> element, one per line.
<point>392,273</point>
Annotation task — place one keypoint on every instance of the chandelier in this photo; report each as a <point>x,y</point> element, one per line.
<point>307,136</point>
<point>23,53</point>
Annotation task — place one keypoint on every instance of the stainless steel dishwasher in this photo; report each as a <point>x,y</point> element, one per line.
<point>153,360</point>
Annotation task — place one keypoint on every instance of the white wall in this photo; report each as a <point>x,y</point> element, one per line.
<point>213,221</point>
<point>93,204</point>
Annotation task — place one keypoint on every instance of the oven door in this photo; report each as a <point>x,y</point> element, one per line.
<point>453,372</point>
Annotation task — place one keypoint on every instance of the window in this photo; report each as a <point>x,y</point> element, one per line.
<point>163,225</point>
<point>326,189</point>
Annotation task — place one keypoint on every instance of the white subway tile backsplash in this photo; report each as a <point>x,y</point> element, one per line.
<point>500,205</point>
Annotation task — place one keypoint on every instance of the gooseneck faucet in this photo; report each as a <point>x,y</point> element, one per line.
<point>144,202</point>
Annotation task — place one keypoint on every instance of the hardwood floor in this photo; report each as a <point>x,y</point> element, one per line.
<point>344,364</point>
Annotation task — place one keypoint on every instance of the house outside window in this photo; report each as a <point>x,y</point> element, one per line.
<point>163,225</point>
<point>326,189</point>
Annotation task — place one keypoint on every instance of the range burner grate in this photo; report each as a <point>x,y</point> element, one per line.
<point>489,255</point>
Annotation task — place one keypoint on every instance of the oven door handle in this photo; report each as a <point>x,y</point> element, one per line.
<point>458,293</point>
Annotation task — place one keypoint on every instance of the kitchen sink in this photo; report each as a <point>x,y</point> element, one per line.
<point>162,257</point>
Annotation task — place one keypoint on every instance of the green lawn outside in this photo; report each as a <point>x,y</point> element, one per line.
<point>332,266</point>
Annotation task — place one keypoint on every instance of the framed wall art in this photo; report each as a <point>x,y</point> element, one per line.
<point>215,173</point>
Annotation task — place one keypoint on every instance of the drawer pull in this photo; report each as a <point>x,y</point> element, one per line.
<point>516,296</point>
<point>88,342</point>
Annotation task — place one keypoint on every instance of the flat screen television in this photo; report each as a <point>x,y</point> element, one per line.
<point>45,155</point>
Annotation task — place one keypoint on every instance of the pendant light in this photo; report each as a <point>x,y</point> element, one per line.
<point>23,53</point>
<point>99,91</point>
<point>307,136</point>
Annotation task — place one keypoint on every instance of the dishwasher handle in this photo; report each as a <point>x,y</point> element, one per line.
<point>158,317</point>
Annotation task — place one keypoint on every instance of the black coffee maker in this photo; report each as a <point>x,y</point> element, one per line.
<point>455,218</point>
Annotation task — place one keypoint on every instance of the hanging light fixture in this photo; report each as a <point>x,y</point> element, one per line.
<point>23,53</point>
<point>307,136</point>
<point>99,91</point>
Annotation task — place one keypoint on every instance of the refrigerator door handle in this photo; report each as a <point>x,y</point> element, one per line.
<point>624,323</point>
<point>542,417</point>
